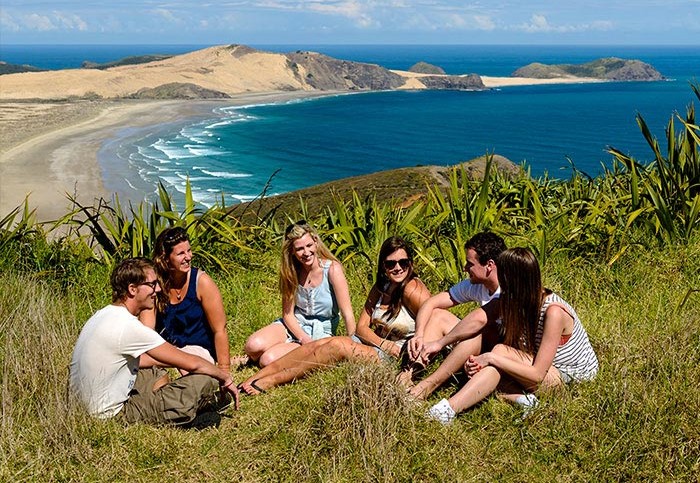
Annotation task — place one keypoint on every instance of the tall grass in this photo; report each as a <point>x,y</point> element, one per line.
<point>636,421</point>
<point>624,248</point>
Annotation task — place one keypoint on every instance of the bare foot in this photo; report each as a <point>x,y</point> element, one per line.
<point>239,360</point>
<point>405,379</point>
<point>251,388</point>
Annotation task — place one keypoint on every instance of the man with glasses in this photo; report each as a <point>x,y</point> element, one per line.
<point>116,369</point>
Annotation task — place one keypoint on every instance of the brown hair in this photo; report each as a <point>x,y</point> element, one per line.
<point>521,297</point>
<point>166,241</point>
<point>487,246</point>
<point>389,246</point>
<point>131,271</point>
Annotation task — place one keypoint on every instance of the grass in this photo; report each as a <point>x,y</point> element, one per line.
<point>636,421</point>
<point>623,248</point>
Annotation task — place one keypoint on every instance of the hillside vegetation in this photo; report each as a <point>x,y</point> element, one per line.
<point>610,68</point>
<point>623,248</point>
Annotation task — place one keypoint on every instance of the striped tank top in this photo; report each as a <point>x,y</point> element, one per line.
<point>575,359</point>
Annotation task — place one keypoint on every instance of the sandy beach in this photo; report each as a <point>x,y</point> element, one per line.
<point>49,149</point>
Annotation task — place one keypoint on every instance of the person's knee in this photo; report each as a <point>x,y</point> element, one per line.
<point>337,348</point>
<point>500,349</point>
<point>267,358</point>
<point>255,345</point>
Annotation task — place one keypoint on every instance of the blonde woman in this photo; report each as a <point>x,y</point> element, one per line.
<point>314,291</point>
<point>384,326</point>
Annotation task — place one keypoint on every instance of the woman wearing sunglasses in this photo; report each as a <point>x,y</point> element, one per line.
<point>189,311</point>
<point>314,291</point>
<point>387,321</point>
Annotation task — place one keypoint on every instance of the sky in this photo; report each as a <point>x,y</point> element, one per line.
<point>260,22</point>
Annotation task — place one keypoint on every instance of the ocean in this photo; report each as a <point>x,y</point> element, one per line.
<point>236,151</point>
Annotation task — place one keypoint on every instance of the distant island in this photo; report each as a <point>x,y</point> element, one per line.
<point>223,71</point>
<point>610,68</point>
<point>7,68</point>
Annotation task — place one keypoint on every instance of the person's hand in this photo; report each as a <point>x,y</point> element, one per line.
<point>305,340</point>
<point>415,346</point>
<point>429,349</point>
<point>394,351</point>
<point>233,390</point>
<point>475,363</point>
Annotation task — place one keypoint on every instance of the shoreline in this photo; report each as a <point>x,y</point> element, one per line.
<point>63,156</point>
<point>46,166</point>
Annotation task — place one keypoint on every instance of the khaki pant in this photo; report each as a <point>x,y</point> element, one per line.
<point>174,403</point>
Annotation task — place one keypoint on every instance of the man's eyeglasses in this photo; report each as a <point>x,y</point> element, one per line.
<point>404,263</point>
<point>152,284</point>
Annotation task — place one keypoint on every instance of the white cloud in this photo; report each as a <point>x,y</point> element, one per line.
<point>352,9</point>
<point>41,23</point>
<point>166,15</point>
<point>8,23</point>
<point>539,24</point>
<point>484,22</point>
<point>69,21</point>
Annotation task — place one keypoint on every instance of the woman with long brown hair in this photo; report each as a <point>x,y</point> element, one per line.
<point>387,321</point>
<point>545,344</point>
<point>189,311</point>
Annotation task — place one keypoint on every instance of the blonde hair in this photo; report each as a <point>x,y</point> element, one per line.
<point>290,266</point>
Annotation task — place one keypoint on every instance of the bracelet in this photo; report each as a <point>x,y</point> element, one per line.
<point>227,385</point>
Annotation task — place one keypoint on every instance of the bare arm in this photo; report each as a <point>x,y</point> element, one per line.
<point>292,324</point>
<point>341,290</point>
<point>531,375</point>
<point>441,300</point>
<point>364,331</point>
<point>212,303</point>
<point>148,318</point>
<point>466,328</point>
<point>168,355</point>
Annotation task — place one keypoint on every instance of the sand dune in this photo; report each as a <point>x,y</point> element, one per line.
<point>230,70</point>
<point>48,147</point>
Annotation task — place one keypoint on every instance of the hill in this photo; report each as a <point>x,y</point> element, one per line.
<point>400,186</point>
<point>7,68</point>
<point>222,71</point>
<point>132,60</point>
<point>610,68</point>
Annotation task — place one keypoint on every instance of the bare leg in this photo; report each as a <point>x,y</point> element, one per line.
<point>316,355</point>
<point>489,378</point>
<point>476,389</point>
<point>263,340</point>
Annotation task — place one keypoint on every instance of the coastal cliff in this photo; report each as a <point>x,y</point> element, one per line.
<point>610,68</point>
<point>220,72</point>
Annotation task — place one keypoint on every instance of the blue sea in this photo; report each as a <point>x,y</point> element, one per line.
<point>236,150</point>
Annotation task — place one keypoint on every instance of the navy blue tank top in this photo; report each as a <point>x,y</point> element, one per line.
<point>185,323</point>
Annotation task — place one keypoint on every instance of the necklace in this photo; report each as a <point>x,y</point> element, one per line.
<point>177,293</point>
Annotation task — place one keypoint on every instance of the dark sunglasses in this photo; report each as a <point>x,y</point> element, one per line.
<point>298,223</point>
<point>404,263</point>
<point>152,284</point>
